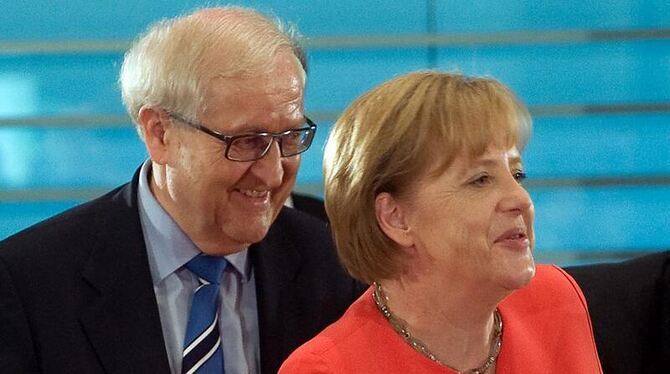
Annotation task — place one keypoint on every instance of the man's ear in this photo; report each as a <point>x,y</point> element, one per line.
<point>392,219</point>
<point>153,124</point>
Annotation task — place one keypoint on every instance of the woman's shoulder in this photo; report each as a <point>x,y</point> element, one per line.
<point>362,341</point>
<point>350,333</point>
<point>552,292</point>
<point>547,326</point>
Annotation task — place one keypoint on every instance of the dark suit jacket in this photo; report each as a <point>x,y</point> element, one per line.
<point>310,204</point>
<point>629,303</point>
<point>76,294</point>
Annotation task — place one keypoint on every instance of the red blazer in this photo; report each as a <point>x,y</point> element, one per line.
<point>546,329</point>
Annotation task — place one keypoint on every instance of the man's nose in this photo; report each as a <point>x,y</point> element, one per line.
<point>269,168</point>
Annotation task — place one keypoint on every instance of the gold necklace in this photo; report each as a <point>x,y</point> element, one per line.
<point>381,300</point>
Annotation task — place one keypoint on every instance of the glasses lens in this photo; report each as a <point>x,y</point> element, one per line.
<point>253,147</point>
<point>296,141</point>
<point>249,147</point>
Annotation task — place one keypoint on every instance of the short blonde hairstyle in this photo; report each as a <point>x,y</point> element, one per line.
<point>170,64</point>
<point>391,137</point>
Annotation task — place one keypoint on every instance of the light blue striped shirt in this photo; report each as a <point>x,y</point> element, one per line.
<point>169,249</point>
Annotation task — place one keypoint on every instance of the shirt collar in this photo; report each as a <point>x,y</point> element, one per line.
<point>168,247</point>
<point>240,262</point>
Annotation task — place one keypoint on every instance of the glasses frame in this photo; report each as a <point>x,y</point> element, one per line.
<point>229,139</point>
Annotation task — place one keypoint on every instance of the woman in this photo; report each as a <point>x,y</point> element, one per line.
<point>423,190</point>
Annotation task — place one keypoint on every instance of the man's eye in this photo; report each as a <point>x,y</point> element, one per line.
<point>291,139</point>
<point>250,142</point>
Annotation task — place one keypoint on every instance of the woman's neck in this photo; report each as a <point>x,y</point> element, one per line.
<point>453,319</point>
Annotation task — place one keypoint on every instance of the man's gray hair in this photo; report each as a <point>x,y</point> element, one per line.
<point>169,65</point>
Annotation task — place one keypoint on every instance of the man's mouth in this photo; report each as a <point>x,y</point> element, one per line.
<point>254,193</point>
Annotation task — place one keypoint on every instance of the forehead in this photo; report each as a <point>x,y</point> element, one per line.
<point>464,162</point>
<point>492,157</point>
<point>270,100</point>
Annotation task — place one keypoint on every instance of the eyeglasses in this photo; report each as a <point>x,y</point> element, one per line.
<point>254,146</point>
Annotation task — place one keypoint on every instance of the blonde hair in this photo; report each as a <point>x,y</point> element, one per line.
<point>395,134</point>
<point>170,64</point>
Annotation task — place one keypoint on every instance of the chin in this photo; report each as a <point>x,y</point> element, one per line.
<point>516,273</point>
<point>249,227</point>
<point>253,233</point>
<point>520,277</point>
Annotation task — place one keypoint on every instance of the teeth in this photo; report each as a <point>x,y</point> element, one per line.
<point>254,193</point>
<point>517,236</point>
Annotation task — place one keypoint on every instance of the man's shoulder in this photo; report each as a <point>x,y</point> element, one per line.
<point>629,303</point>
<point>290,216</point>
<point>635,288</point>
<point>303,243</point>
<point>303,227</point>
<point>310,204</point>
<point>637,275</point>
<point>304,235</point>
<point>68,229</point>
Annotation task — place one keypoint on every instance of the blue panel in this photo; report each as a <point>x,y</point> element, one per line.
<point>350,17</point>
<point>614,72</point>
<point>17,216</point>
<point>86,84</point>
<point>599,146</point>
<point>60,85</point>
<point>336,78</point>
<point>82,19</point>
<point>124,19</point>
<point>492,16</point>
<point>602,218</point>
<point>61,158</point>
<point>558,74</point>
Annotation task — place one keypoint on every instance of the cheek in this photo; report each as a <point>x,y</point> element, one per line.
<point>213,179</point>
<point>529,217</point>
<point>184,170</point>
<point>290,169</point>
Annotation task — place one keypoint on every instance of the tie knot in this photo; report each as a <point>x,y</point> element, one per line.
<point>207,267</point>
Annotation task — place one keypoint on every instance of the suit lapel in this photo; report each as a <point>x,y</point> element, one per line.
<point>660,346</point>
<point>122,320</point>
<point>275,261</point>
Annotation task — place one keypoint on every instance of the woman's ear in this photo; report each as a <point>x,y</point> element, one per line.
<point>392,218</point>
<point>153,124</point>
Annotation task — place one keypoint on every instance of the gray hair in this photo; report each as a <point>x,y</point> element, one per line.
<point>169,65</point>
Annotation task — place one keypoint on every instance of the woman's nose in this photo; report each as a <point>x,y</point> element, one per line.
<point>516,199</point>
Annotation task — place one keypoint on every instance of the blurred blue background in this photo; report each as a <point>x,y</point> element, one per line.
<point>596,76</point>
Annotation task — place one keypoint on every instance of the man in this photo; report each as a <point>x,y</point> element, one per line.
<point>629,304</point>
<point>108,287</point>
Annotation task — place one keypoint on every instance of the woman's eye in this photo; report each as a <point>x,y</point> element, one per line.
<point>482,180</point>
<point>519,175</point>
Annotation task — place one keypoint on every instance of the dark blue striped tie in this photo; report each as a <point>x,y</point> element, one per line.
<point>202,345</point>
